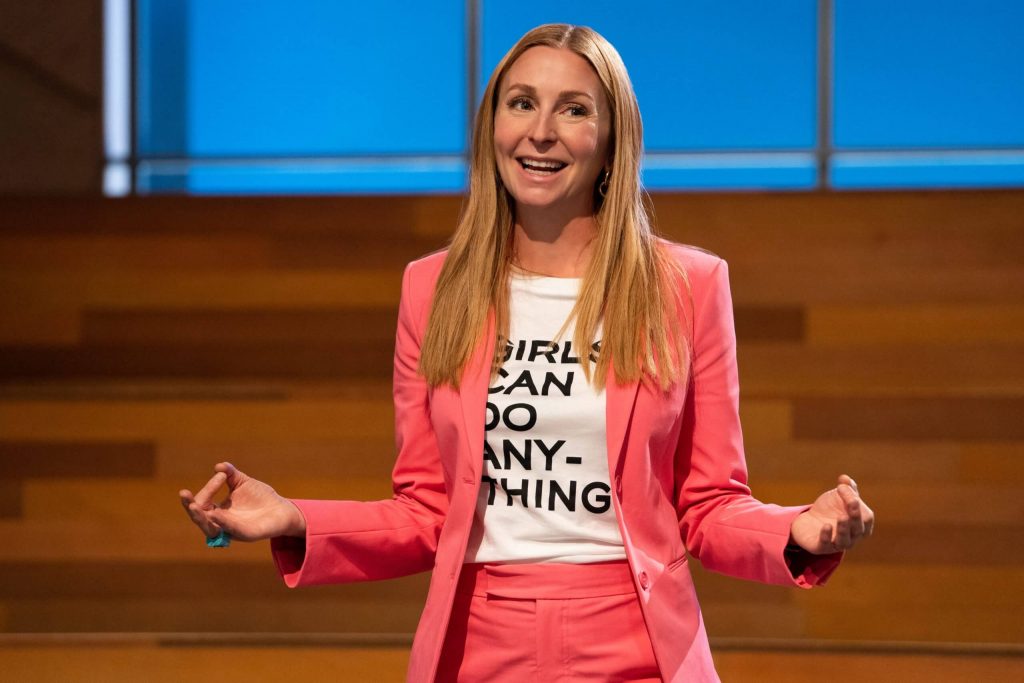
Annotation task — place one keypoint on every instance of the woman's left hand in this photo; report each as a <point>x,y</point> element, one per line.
<point>835,522</point>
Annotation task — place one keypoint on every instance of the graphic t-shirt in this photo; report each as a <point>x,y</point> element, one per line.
<point>544,494</point>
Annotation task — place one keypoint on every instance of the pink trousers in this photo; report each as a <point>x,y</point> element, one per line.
<point>546,623</point>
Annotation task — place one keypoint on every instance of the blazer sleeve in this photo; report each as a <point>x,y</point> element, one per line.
<point>721,523</point>
<point>364,540</point>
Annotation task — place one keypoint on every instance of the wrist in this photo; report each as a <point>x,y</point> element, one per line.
<point>792,545</point>
<point>297,523</point>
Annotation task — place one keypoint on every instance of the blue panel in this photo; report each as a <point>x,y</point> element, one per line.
<point>150,182</point>
<point>307,78</point>
<point>730,171</point>
<point>328,177</point>
<point>161,81</point>
<point>708,75</point>
<point>938,170</point>
<point>929,73</point>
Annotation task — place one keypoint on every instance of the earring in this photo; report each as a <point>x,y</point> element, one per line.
<point>603,187</point>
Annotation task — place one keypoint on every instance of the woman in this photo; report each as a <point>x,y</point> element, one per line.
<point>566,413</point>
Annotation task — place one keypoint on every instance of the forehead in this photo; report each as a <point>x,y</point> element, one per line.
<point>553,69</point>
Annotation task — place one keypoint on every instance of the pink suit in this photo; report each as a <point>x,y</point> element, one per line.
<point>675,461</point>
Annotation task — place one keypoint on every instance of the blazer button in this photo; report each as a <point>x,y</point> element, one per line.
<point>618,485</point>
<point>645,583</point>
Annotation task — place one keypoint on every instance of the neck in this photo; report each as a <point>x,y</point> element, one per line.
<point>550,244</point>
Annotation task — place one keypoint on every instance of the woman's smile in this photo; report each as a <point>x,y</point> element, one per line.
<point>541,168</point>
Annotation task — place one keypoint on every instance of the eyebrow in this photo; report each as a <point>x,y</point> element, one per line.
<point>562,95</point>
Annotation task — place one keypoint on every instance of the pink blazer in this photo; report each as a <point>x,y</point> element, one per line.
<point>675,459</point>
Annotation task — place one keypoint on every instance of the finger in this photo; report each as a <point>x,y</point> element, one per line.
<point>848,480</point>
<point>203,520</point>
<point>199,517</point>
<point>206,493</point>
<point>825,537</point>
<point>217,521</point>
<point>851,502</point>
<point>234,476</point>
<point>869,519</point>
<point>843,541</point>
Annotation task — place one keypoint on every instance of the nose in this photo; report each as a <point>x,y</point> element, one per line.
<point>543,129</point>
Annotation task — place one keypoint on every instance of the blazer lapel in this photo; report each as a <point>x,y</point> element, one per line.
<point>473,395</point>
<point>620,400</point>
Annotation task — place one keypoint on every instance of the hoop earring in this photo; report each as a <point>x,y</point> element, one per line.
<point>602,189</point>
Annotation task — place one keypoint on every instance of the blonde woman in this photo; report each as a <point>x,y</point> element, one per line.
<point>566,415</point>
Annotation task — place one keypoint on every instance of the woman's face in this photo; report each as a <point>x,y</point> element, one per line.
<point>553,112</point>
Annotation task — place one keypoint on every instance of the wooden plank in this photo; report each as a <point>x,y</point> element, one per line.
<point>936,324</point>
<point>765,420</point>
<point>148,389</point>
<point>310,609</point>
<point>242,289</point>
<point>941,543</point>
<point>170,539</point>
<point>993,462</point>
<point>117,664</point>
<point>21,459</point>
<point>770,323</point>
<point>804,667</point>
<point>351,249</point>
<point>721,590</point>
<point>876,228</point>
<point>117,580</point>
<point>920,585</point>
<point>829,283</point>
<point>129,420</point>
<point>287,217</point>
<point>872,461</point>
<point>240,328</point>
<point>171,664</point>
<point>103,250</point>
<point>10,499</point>
<point>753,620</point>
<point>368,457</point>
<point>792,370</point>
<point>39,324</point>
<point>359,359</point>
<point>129,503</point>
<point>961,418</point>
<point>921,503</point>
<point>869,462</point>
<point>228,249</point>
<point>951,623</point>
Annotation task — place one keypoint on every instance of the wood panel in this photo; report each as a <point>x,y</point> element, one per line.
<point>141,341</point>
<point>173,662</point>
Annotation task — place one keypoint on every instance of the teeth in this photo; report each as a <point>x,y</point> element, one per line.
<point>533,163</point>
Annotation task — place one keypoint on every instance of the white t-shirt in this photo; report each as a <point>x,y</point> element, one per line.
<point>545,493</point>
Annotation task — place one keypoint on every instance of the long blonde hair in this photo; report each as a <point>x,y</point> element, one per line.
<point>630,280</point>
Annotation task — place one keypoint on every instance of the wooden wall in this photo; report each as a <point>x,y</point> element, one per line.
<point>143,340</point>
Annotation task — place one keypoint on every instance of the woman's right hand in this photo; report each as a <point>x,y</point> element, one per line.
<point>252,511</point>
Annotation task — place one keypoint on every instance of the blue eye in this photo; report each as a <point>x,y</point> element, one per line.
<point>578,110</point>
<point>514,104</point>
